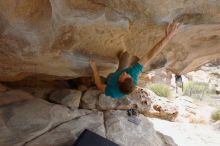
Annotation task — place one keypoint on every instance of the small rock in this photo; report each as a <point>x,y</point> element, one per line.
<point>67,97</point>
<point>90,99</point>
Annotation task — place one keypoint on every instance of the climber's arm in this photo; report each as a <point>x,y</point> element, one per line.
<point>169,33</point>
<point>98,81</point>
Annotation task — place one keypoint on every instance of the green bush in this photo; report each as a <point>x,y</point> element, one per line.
<point>215,116</point>
<point>161,90</point>
<point>195,89</point>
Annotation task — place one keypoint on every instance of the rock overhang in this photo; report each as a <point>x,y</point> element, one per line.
<point>57,38</point>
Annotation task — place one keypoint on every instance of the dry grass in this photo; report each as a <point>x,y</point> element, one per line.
<point>215,116</point>
<point>161,90</point>
<point>195,89</point>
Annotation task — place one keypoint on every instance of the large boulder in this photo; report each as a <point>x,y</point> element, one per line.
<point>161,107</point>
<point>125,133</point>
<point>56,39</point>
<point>24,121</point>
<point>114,126</point>
<point>67,133</point>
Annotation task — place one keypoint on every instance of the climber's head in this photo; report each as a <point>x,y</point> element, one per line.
<point>126,83</point>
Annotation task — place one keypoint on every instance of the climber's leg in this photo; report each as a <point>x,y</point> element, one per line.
<point>123,60</point>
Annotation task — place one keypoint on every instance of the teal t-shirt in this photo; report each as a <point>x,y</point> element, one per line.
<point>112,88</point>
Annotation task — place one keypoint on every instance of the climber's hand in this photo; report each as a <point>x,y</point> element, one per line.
<point>92,64</point>
<point>172,29</point>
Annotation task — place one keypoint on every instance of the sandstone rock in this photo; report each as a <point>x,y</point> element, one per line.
<point>67,133</point>
<point>3,88</point>
<point>57,38</point>
<point>90,99</point>
<point>12,96</point>
<point>125,133</point>
<point>161,107</point>
<point>67,97</point>
<point>149,104</point>
<point>22,122</point>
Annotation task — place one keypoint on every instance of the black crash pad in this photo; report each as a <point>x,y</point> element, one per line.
<point>89,138</point>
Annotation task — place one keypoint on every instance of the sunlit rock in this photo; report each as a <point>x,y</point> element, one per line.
<point>58,38</point>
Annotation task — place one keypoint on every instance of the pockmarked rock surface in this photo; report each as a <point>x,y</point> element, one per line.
<point>161,107</point>
<point>24,121</point>
<point>56,39</point>
<point>125,133</point>
<point>145,101</point>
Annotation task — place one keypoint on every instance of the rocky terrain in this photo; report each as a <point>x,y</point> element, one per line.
<point>187,134</point>
<point>35,121</point>
<point>46,43</point>
<point>57,116</point>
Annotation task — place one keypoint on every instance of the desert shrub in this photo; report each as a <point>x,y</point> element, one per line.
<point>195,89</point>
<point>215,116</point>
<point>161,89</point>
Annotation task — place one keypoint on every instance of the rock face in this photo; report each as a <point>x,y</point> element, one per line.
<point>67,133</point>
<point>56,39</point>
<point>37,122</point>
<point>125,133</point>
<point>21,122</point>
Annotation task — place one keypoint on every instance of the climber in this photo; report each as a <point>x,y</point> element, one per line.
<point>124,80</point>
<point>179,82</point>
